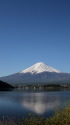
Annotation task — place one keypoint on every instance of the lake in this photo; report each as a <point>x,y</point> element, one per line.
<point>19,103</point>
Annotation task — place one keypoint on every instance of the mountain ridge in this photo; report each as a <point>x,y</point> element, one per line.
<point>38,73</point>
<point>40,67</point>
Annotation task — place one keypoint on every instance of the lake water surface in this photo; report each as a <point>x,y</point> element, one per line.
<point>21,103</point>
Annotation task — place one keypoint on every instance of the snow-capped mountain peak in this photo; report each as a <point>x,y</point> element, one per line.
<point>39,73</point>
<point>38,68</point>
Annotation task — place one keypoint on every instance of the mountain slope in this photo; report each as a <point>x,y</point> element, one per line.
<point>38,73</point>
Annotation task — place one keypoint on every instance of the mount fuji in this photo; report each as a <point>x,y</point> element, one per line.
<point>39,68</point>
<point>38,73</point>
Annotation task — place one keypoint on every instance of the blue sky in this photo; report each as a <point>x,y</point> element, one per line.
<point>34,31</point>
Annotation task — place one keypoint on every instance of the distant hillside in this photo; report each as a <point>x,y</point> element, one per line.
<point>5,86</point>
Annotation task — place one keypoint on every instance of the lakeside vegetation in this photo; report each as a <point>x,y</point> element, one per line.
<point>43,86</point>
<point>59,118</point>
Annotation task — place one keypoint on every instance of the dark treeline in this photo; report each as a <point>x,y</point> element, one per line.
<point>5,86</point>
<point>43,86</point>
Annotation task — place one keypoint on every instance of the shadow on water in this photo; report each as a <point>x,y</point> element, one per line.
<point>6,89</point>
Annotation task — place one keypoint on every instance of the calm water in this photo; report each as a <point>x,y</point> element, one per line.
<point>21,103</point>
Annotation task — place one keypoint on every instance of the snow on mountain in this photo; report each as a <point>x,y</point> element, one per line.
<point>39,68</point>
<point>38,73</point>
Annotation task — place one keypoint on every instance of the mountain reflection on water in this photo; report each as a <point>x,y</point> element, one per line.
<point>40,103</point>
<point>20,103</point>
